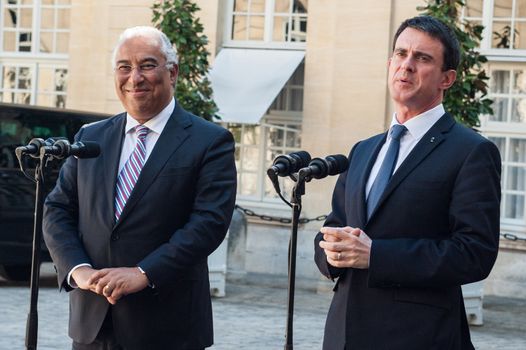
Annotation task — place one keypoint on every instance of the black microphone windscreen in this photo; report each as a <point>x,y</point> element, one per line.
<point>338,164</point>
<point>90,149</point>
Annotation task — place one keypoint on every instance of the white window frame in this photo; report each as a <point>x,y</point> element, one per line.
<point>503,55</point>
<point>269,25</point>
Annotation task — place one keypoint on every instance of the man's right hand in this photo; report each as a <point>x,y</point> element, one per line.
<point>81,276</point>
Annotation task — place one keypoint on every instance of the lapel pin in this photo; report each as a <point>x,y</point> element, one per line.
<point>432,139</point>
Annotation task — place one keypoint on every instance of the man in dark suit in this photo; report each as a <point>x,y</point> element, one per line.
<point>415,216</point>
<point>131,230</point>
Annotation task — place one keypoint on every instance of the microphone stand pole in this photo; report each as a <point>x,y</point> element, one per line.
<point>32,317</point>
<point>297,192</point>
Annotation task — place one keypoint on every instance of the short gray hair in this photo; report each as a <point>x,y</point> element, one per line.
<point>157,37</point>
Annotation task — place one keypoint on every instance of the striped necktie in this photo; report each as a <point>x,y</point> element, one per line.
<point>386,169</point>
<point>130,172</point>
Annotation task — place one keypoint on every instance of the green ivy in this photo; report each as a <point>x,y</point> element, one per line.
<point>176,18</point>
<point>466,99</point>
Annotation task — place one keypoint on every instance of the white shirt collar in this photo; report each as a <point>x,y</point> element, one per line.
<point>156,124</point>
<point>419,125</point>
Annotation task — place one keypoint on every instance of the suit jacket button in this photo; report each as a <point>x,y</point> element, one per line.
<point>114,237</point>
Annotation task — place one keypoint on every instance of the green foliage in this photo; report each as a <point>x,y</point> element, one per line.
<point>176,18</point>
<point>466,99</point>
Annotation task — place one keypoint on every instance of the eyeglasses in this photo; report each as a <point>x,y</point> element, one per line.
<point>145,68</point>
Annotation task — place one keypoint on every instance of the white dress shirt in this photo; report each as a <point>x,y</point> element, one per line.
<point>156,126</point>
<point>416,129</point>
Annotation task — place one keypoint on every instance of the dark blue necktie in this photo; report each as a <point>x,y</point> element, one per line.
<point>386,170</point>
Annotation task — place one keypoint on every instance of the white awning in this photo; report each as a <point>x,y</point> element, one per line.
<point>246,81</point>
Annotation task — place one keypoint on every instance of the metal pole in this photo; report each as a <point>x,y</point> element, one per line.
<point>298,191</point>
<point>32,317</point>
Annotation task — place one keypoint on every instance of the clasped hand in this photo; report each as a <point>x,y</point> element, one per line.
<point>346,247</point>
<point>111,283</point>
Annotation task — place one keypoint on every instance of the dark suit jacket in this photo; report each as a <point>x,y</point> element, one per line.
<point>436,227</point>
<point>177,214</point>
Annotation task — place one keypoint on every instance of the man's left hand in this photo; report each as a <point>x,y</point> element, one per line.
<point>346,247</point>
<point>114,283</point>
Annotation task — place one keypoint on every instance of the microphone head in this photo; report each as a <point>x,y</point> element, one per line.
<point>301,160</point>
<point>87,149</point>
<point>338,163</point>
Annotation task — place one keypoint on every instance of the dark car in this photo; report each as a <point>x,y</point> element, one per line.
<point>18,125</point>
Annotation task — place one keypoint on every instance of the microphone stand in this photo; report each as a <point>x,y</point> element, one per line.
<point>297,192</point>
<point>32,317</point>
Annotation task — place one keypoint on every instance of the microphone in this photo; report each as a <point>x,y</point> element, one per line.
<point>33,148</point>
<point>319,168</point>
<point>63,149</point>
<point>286,164</point>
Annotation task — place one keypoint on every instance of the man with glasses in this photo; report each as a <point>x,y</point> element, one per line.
<point>131,230</point>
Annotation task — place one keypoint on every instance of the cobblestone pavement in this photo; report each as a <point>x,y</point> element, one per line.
<point>249,317</point>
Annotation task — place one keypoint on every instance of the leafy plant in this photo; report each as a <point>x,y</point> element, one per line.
<point>176,18</point>
<point>466,99</point>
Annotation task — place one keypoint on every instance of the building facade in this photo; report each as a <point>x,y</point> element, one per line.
<point>288,75</point>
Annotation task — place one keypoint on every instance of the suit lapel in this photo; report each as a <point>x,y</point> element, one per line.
<point>172,136</point>
<point>435,136</point>
<point>112,146</point>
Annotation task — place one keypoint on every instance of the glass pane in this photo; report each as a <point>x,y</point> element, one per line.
<point>63,2</point>
<point>24,78</point>
<point>257,26</point>
<point>237,156</point>
<point>473,8</point>
<point>239,28</point>
<point>63,17</point>
<point>276,137</point>
<point>248,184</point>
<point>26,18</point>
<point>271,154</point>
<point>24,42</point>
<point>23,98</point>
<point>500,142</point>
<point>241,5</point>
<point>270,192</point>
<point>9,74</point>
<point>517,151</point>
<point>47,18</point>
<point>516,178</point>
<point>502,8</point>
<point>500,81</point>
<point>47,2</point>
<point>250,159</point>
<point>514,206</point>
<point>45,80</point>
<point>296,99</point>
<point>519,85</point>
<point>62,45</point>
<point>500,109</point>
<point>300,6</point>
<point>282,6</point>
<point>520,10</point>
<point>9,18</point>
<point>60,101</point>
<point>46,42</point>
<point>257,6</point>
<point>519,41</point>
<point>9,41</point>
<point>235,129</point>
<point>501,35</point>
<point>518,110</point>
<point>299,29</point>
<point>281,28</point>
<point>250,135</point>
<point>293,139</point>
<point>45,100</point>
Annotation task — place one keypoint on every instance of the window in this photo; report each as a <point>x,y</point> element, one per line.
<point>17,84</point>
<point>37,26</point>
<point>34,41</point>
<point>258,145</point>
<point>504,24</point>
<point>268,21</point>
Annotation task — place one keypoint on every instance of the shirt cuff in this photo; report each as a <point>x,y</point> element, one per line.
<point>71,281</point>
